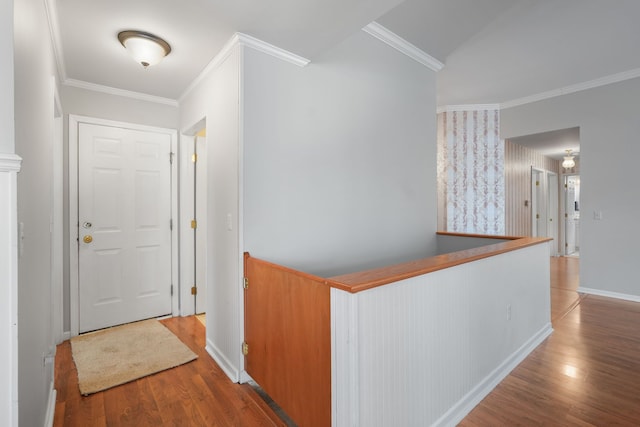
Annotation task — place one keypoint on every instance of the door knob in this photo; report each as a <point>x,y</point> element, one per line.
<point>87,239</point>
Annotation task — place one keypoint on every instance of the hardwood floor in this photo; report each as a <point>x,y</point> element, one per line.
<point>587,373</point>
<point>195,394</point>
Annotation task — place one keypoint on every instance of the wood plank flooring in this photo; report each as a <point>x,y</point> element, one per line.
<point>587,373</point>
<point>195,394</point>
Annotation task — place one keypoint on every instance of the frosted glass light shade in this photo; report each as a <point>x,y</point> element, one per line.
<point>568,162</point>
<point>145,48</point>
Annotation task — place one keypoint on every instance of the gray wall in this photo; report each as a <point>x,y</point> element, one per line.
<point>216,99</point>
<point>34,101</point>
<point>609,151</point>
<point>6,78</point>
<point>339,159</point>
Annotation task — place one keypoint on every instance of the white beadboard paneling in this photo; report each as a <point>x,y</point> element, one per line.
<point>428,346</point>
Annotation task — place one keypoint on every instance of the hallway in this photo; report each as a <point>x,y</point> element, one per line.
<point>586,373</point>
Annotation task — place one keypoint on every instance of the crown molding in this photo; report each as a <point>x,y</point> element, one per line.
<point>120,92</point>
<point>212,65</point>
<point>403,46</point>
<point>240,39</point>
<point>467,107</point>
<point>272,50</point>
<point>56,43</point>
<point>10,162</point>
<point>603,81</point>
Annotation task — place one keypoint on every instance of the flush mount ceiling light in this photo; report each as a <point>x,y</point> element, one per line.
<point>568,161</point>
<point>145,48</point>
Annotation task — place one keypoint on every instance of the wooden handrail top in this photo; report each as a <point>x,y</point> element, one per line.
<point>360,281</point>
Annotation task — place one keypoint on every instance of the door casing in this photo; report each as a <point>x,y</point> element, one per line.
<point>74,121</point>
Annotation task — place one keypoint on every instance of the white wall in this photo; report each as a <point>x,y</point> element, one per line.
<point>6,77</point>
<point>609,150</point>
<point>217,98</point>
<point>34,113</point>
<point>339,158</point>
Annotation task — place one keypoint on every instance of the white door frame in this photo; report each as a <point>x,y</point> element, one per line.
<point>74,121</point>
<point>187,177</point>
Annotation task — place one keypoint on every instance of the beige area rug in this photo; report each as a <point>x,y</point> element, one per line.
<point>117,355</point>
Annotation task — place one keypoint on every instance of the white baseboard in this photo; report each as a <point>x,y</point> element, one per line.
<point>223,362</point>
<point>66,335</point>
<point>245,377</point>
<point>51,407</point>
<point>601,293</point>
<point>457,412</point>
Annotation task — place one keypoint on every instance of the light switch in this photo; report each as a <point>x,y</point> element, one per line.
<point>229,222</point>
<point>597,215</point>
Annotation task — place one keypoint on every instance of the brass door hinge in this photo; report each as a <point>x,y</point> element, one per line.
<point>537,216</point>
<point>194,224</point>
<point>245,348</point>
<point>245,283</point>
<point>194,290</point>
<point>194,158</point>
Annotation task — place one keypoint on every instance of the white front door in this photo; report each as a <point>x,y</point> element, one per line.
<point>124,218</point>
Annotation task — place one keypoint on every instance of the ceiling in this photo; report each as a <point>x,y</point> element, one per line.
<point>552,144</point>
<point>494,51</point>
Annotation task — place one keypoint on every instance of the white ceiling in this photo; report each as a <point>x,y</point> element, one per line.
<point>494,51</point>
<point>553,143</point>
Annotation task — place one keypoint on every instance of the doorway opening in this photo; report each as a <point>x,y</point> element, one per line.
<point>572,215</point>
<point>193,213</point>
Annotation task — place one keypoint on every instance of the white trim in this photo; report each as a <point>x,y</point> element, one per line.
<point>240,39</point>
<point>403,46</point>
<point>51,407</point>
<point>457,412</point>
<point>603,81</point>
<point>468,107</point>
<point>240,225</point>
<point>9,168</point>
<point>224,363</point>
<point>10,162</point>
<point>120,92</point>
<point>212,65</point>
<point>272,50</point>
<point>609,294</point>
<point>54,31</point>
<point>74,121</point>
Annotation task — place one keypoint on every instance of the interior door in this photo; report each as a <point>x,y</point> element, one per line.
<point>572,214</point>
<point>124,213</point>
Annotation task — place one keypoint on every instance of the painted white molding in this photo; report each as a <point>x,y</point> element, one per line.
<point>460,410</point>
<point>10,162</point>
<point>591,84</point>
<point>272,50</point>
<point>222,361</point>
<point>240,39</point>
<point>401,45</point>
<point>609,294</point>
<point>74,121</point>
<point>468,107</point>
<point>120,92</point>
<point>603,81</point>
<point>54,31</point>
<point>51,406</point>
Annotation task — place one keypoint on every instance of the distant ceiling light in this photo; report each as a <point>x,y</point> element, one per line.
<point>568,161</point>
<point>145,48</point>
